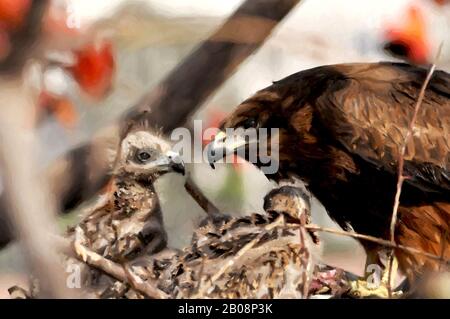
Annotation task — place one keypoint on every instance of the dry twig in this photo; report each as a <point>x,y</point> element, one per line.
<point>401,162</point>
<point>383,242</point>
<point>200,198</point>
<point>122,273</point>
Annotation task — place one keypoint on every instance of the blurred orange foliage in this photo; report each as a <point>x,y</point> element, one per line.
<point>12,13</point>
<point>94,68</point>
<point>60,107</point>
<point>411,36</point>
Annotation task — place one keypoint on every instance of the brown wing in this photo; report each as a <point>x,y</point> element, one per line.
<point>368,112</point>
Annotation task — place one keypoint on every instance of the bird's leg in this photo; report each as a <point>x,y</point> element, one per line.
<point>376,279</point>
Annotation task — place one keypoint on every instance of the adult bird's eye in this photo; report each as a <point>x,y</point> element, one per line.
<point>143,156</point>
<point>248,123</point>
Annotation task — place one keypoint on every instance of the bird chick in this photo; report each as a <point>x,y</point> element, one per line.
<point>129,223</point>
<point>293,203</point>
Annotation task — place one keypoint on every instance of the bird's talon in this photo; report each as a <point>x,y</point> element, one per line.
<point>363,289</point>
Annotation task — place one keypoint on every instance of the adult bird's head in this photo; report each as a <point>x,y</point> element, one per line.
<point>147,156</point>
<point>253,131</point>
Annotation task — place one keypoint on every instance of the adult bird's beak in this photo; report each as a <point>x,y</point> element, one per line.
<point>224,144</point>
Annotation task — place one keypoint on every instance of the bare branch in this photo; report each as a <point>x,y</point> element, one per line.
<point>200,198</point>
<point>383,242</point>
<point>83,171</point>
<point>210,65</point>
<point>401,162</point>
<point>401,159</point>
<point>29,206</point>
<point>120,272</point>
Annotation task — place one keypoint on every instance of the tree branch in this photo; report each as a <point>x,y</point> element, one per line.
<point>84,170</point>
<point>210,65</point>
<point>121,273</point>
<point>200,198</point>
<point>30,209</point>
<point>27,209</point>
<point>382,242</point>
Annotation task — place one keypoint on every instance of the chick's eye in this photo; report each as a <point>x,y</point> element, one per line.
<point>248,123</point>
<point>142,156</point>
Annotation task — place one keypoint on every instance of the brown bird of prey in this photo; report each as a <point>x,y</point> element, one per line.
<point>128,222</point>
<point>341,129</point>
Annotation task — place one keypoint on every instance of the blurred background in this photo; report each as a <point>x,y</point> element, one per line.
<point>105,54</point>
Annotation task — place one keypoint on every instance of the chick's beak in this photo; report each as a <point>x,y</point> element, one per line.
<point>175,163</point>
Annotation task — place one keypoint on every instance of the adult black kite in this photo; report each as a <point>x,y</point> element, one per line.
<point>341,128</point>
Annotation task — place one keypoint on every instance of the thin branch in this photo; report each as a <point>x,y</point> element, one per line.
<point>401,159</point>
<point>143,286</point>
<point>122,273</point>
<point>401,162</point>
<point>210,65</point>
<point>200,198</point>
<point>383,242</point>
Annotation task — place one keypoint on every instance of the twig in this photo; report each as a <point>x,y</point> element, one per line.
<point>383,242</point>
<point>143,286</point>
<point>122,273</point>
<point>401,161</point>
<point>200,198</point>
